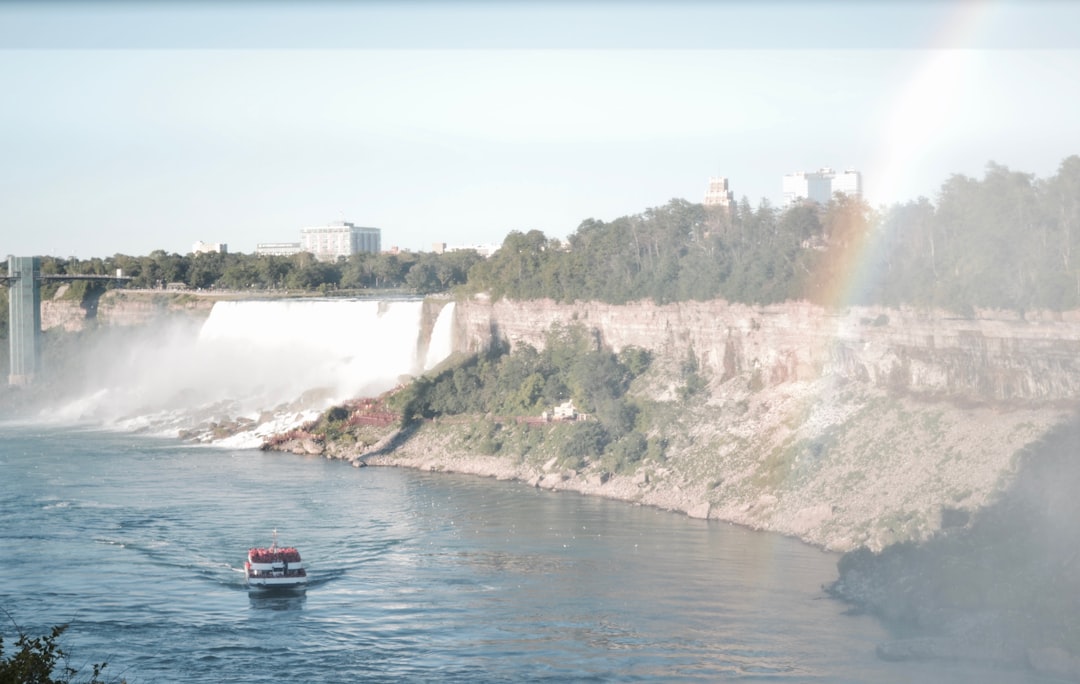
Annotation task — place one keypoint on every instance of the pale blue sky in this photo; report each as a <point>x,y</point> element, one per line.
<point>131,127</point>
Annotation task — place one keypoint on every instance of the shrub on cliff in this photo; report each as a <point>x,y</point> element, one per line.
<point>580,442</point>
<point>624,455</point>
<point>41,660</point>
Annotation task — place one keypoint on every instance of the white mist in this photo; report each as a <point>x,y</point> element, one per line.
<point>276,362</point>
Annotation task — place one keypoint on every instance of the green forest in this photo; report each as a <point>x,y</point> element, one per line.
<point>526,382</point>
<point>1004,241</point>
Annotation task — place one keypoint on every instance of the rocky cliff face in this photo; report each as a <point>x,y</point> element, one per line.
<point>65,314</point>
<point>863,427</point>
<point>131,308</point>
<point>993,356</point>
<point>125,308</point>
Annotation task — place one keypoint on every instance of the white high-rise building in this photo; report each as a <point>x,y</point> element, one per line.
<point>338,239</point>
<point>820,185</point>
<point>849,182</point>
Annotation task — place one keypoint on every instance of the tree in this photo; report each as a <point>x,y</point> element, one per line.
<point>41,660</point>
<point>388,271</point>
<point>204,270</point>
<point>314,274</point>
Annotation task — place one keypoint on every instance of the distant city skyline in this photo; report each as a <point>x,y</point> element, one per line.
<point>134,127</point>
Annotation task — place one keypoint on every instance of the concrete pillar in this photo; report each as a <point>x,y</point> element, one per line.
<point>24,321</point>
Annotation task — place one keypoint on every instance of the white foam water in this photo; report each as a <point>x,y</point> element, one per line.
<point>442,338</point>
<point>275,363</point>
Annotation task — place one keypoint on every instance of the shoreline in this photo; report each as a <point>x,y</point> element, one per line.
<point>975,647</point>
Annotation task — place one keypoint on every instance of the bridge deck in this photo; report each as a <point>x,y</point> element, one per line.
<point>7,280</point>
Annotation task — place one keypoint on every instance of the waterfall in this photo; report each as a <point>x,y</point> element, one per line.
<point>441,344</point>
<point>346,348</point>
<point>256,360</point>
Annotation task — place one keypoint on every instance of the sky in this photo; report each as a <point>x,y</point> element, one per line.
<point>130,127</point>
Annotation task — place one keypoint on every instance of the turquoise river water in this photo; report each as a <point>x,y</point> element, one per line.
<point>137,542</point>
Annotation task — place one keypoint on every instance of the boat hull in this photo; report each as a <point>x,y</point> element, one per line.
<point>291,587</point>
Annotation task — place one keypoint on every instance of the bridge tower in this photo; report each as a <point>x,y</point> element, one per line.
<point>24,321</point>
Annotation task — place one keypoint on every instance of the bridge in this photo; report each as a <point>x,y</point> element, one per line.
<point>24,279</point>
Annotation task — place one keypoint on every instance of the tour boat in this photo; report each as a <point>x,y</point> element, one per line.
<point>277,568</point>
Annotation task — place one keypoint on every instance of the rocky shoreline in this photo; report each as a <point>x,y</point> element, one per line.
<point>840,468</point>
<point>953,634</point>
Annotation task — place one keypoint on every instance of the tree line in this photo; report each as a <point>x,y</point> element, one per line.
<point>419,272</point>
<point>1008,241</point>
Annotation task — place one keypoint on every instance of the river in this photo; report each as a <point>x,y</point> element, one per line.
<point>138,542</point>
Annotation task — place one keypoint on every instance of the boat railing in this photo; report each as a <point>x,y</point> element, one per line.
<point>299,572</point>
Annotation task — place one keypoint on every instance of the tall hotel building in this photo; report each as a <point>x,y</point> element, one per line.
<point>718,194</point>
<point>820,186</point>
<point>339,239</point>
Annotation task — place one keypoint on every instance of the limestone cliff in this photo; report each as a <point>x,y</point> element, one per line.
<point>131,308</point>
<point>992,356</point>
<point>126,308</point>
<point>850,428</point>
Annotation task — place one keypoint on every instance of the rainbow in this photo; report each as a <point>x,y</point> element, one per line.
<point>926,112</point>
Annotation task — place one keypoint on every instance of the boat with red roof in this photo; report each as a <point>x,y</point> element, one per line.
<point>277,568</point>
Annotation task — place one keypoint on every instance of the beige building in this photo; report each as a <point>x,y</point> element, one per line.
<point>339,239</point>
<point>718,194</point>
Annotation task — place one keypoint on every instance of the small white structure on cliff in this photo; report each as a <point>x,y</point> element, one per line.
<point>564,411</point>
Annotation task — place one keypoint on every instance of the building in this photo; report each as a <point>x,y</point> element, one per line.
<point>277,248</point>
<point>339,239</point>
<point>201,247</point>
<point>718,194</point>
<point>820,186</point>
<point>484,250</point>
<point>849,182</point>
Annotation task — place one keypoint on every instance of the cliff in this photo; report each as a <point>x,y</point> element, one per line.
<point>126,308</point>
<point>993,356</point>
<point>862,427</point>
